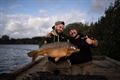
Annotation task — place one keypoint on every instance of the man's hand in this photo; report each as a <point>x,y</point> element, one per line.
<point>89,41</point>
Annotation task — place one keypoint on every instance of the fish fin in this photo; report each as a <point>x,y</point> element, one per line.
<point>33,58</point>
<point>56,59</point>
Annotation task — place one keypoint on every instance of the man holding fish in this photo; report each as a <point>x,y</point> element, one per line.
<point>56,35</point>
<point>81,61</point>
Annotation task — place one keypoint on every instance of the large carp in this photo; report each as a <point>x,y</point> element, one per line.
<point>55,50</point>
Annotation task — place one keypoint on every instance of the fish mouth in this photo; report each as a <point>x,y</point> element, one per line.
<point>77,50</point>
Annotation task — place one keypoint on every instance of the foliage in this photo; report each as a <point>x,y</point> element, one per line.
<point>107,31</point>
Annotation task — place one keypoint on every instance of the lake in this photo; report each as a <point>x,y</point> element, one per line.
<point>13,57</point>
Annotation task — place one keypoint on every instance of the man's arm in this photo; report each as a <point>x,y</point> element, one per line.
<point>92,42</point>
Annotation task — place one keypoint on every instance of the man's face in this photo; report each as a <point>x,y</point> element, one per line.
<point>73,33</point>
<point>59,28</point>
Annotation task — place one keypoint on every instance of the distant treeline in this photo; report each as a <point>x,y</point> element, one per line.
<point>35,40</point>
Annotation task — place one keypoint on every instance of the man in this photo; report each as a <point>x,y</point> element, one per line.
<point>81,61</point>
<point>56,35</point>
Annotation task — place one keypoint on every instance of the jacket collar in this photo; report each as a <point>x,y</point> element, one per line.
<point>54,33</point>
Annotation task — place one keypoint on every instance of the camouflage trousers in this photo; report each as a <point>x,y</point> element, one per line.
<point>82,69</point>
<point>62,67</point>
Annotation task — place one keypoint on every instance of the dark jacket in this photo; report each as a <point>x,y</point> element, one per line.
<point>85,53</point>
<point>53,37</point>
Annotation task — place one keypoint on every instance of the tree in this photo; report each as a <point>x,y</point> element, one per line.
<point>5,37</point>
<point>107,31</point>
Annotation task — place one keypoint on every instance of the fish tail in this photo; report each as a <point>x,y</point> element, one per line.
<point>32,53</point>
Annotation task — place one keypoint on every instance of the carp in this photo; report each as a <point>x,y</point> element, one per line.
<point>55,50</point>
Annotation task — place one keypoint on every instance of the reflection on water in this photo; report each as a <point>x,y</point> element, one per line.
<point>13,57</point>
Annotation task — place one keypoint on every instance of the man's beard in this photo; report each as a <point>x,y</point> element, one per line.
<point>59,32</point>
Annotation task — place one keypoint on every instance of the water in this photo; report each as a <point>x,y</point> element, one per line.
<point>13,57</point>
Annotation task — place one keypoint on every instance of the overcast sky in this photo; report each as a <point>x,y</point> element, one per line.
<point>29,18</point>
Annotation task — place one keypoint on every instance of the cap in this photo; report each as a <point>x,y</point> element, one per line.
<point>59,22</point>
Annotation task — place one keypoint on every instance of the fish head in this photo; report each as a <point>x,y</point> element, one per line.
<point>73,49</point>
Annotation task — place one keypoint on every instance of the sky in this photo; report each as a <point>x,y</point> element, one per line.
<point>30,18</point>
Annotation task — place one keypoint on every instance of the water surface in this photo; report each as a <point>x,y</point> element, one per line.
<point>13,57</point>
